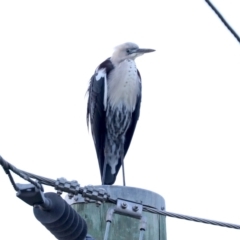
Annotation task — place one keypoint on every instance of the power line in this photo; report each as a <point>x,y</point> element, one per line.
<point>223,20</point>
<point>190,218</point>
<point>97,195</point>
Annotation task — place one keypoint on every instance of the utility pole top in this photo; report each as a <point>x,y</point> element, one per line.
<point>126,219</point>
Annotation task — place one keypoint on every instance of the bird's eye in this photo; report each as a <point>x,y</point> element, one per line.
<point>128,51</point>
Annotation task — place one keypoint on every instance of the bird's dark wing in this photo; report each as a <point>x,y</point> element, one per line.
<point>135,116</point>
<point>95,109</point>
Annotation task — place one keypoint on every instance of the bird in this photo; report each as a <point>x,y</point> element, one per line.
<point>113,108</point>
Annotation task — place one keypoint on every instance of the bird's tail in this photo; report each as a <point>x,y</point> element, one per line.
<point>113,159</point>
<point>109,177</point>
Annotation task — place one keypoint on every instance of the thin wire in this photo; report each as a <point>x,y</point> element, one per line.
<point>12,182</point>
<point>189,218</point>
<point>43,180</point>
<point>5,166</point>
<point>223,20</point>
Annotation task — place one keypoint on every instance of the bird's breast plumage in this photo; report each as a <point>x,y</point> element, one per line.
<point>124,85</point>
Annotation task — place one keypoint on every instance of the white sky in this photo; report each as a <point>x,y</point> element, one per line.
<point>186,145</point>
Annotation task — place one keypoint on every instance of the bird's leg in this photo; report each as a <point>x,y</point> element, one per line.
<point>104,172</point>
<point>123,171</point>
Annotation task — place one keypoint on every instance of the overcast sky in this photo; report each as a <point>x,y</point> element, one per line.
<point>186,144</point>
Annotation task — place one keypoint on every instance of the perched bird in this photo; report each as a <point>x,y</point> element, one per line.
<point>113,108</point>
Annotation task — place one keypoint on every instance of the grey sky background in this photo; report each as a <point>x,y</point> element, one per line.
<point>186,144</point>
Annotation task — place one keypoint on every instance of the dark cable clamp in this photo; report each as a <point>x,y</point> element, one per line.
<point>72,187</point>
<point>33,196</point>
<point>98,195</point>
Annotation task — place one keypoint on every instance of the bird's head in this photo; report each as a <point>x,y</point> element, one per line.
<point>128,51</point>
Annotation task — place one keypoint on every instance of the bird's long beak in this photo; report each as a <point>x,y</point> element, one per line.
<point>144,50</point>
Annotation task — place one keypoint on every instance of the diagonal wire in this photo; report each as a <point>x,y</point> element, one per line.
<point>190,218</point>
<point>42,180</point>
<point>223,20</point>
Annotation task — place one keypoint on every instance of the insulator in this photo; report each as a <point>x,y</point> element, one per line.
<point>61,219</point>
